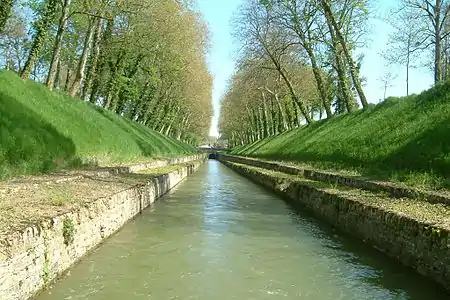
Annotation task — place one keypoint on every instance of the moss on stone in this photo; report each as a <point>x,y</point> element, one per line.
<point>437,214</point>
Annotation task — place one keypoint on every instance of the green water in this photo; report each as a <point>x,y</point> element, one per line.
<point>219,236</point>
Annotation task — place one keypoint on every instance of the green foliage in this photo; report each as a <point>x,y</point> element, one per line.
<point>401,138</point>
<point>43,131</point>
<point>42,27</point>
<point>68,231</point>
<point>5,11</point>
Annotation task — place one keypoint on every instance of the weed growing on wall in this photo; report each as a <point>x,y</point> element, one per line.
<point>68,231</point>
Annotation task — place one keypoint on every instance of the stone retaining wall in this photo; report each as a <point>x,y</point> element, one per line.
<point>422,246</point>
<point>106,171</point>
<point>394,191</point>
<point>31,259</point>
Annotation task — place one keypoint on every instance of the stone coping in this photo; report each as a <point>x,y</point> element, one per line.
<point>414,232</point>
<point>26,201</point>
<point>394,190</point>
<point>48,225</point>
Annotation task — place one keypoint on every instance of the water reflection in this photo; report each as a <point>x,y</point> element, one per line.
<point>219,236</point>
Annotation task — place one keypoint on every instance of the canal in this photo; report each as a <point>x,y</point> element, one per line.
<point>219,236</point>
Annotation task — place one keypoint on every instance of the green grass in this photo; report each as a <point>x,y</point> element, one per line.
<point>42,131</point>
<point>404,139</point>
<point>166,169</point>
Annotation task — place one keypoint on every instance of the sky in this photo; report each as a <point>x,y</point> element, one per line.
<point>218,14</point>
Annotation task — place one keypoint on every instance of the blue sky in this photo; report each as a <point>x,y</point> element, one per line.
<point>218,14</point>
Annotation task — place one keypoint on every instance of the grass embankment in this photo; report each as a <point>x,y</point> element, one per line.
<point>43,131</point>
<point>401,139</point>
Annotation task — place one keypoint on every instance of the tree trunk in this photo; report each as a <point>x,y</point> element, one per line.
<point>5,12</point>
<point>58,75</point>
<point>180,131</point>
<point>253,124</point>
<point>385,90</point>
<point>299,103</point>
<point>266,117</point>
<point>137,109</point>
<point>153,107</point>
<point>340,70</point>
<point>438,42</point>
<point>353,70</point>
<point>290,115</point>
<point>79,77</point>
<point>68,74</point>
<point>94,59</point>
<point>162,129</point>
<point>257,125</point>
<point>283,74</point>
<point>276,121</point>
<point>321,87</point>
<point>52,72</point>
<point>172,121</point>
<point>297,114</point>
<point>306,40</point>
<point>101,62</point>
<point>407,71</point>
<point>282,113</point>
<point>42,29</point>
<point>262,123</point>
<point>112,87</point>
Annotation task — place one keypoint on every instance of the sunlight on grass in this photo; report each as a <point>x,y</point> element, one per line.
<point>405,139</point>
<point>43,131</point>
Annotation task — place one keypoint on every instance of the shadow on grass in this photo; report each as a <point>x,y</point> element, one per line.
<point>150,143</point>
<point>394,140</point>
<point>29,144</point>
<point>428,152</point>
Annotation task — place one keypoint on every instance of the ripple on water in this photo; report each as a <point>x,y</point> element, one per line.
<point>219,236</point>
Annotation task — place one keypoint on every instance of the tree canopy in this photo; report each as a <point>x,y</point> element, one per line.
<point>297,64</point>
<point>144,60</point>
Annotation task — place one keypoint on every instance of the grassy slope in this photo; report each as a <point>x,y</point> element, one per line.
<point>405,139</point>
<point>41,131</point>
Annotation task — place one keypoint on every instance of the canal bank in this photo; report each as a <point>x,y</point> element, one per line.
<point>220,236</point>
<point>414,231</point>
<point>73,213</point>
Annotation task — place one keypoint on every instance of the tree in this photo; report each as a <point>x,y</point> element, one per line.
<point>13,43</point>
<point>259,104</point>
<point>42,27</point>
<point>406,42</point>
<point>434,15</point>
<point>299,17</point>
<point>263,38</point>
<point>80,73</point>
<point>333,23</point>
<point>5,12</point>
<point>58,44</point>
<point>386,79</point>
<point>122,55</point>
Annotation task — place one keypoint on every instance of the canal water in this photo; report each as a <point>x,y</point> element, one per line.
<point>219,236</point>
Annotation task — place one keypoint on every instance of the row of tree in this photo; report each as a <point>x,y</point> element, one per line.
<point>298,61</point>
<point>142,59</point>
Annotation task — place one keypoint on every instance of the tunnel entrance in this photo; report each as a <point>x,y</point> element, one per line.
<point>212,156</point>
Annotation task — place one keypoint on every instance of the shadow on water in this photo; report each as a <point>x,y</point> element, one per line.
<point>219,234</point>
<point>379,269</point>
<point>369,264</point>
